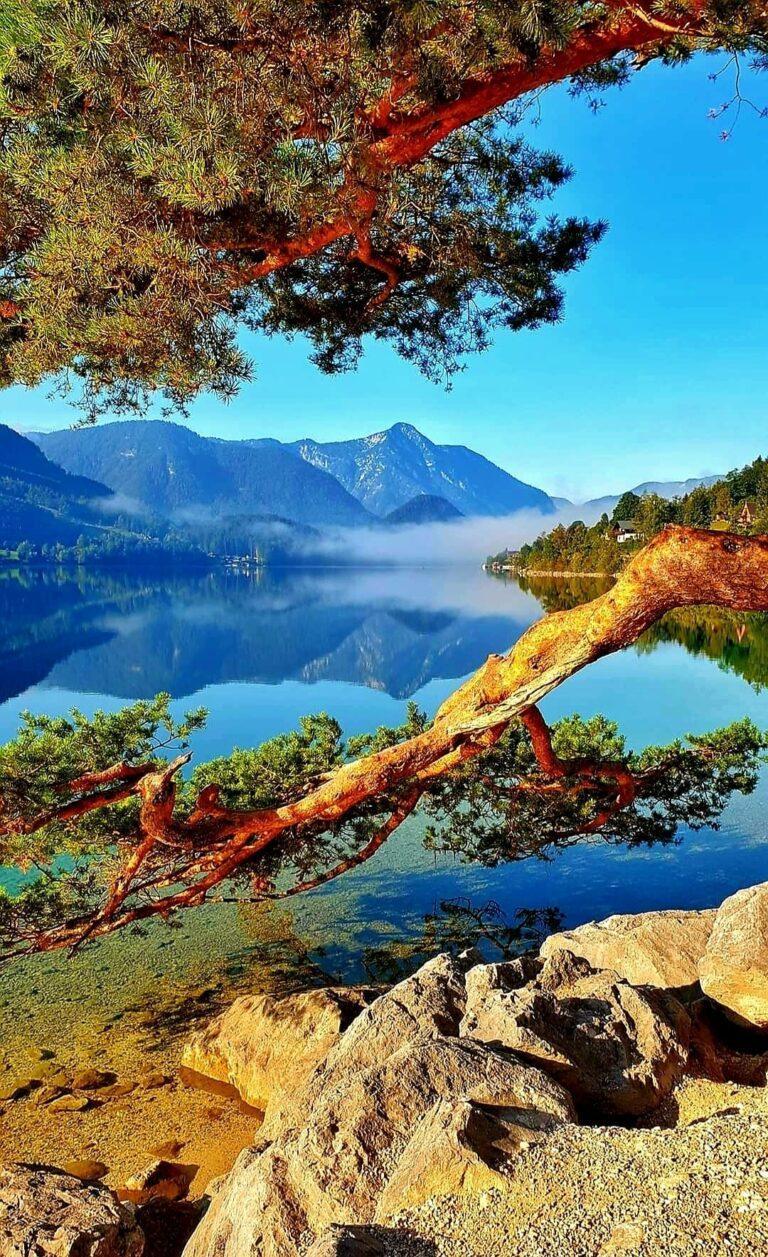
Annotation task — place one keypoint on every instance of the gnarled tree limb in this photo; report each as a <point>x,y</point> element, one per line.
<point>680,567</point>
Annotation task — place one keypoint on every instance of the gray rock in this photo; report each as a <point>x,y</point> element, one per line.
<point>460,1148</point>
<point>619,1049</point>
<point>266,1047</point>
<point>645,949</point>
<point>430,1003</point>
<point>47,1213</point>
<point>343,1136</point>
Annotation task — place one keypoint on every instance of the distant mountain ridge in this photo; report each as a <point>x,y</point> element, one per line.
<point>387,469</point>
<point>668,489</point>
<point>172,470</point>
<point>24,460</point>
<point>40,501</point>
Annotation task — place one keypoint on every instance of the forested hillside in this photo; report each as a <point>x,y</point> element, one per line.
<point>739,501</point>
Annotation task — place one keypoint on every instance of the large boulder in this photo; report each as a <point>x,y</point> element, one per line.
<point>266,1047</point>
<point>430,1003</point>
<point>47,1213</point>
<point>619,1049</point>
<point>338,1143</point>
<point>645,949</point>
<point>460,1148</point>
<point>734,968</point>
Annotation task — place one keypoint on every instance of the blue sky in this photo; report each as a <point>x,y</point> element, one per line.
<point>659,369</point>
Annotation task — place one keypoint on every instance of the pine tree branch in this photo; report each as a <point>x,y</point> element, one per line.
<point>681,567</point>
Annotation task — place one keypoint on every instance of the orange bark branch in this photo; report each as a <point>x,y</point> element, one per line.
<point>680,567</point>
<point>401,140</point>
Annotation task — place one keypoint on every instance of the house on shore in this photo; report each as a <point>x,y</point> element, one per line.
<point>747,514</point>
<point>507,561</point>
<point>624,530</point>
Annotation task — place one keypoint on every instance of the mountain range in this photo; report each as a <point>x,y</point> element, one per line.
<point>669,489</point>
<point>130,485</point>
<point>40,501</point>
<point>170,469</point>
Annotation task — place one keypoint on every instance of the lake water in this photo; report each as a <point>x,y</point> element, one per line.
<point>259,651</point>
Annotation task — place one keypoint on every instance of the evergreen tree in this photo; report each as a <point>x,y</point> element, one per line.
<point>626,507</point>
<point>173,169</point>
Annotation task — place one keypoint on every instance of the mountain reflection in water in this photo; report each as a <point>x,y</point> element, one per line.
<point>130,635</point>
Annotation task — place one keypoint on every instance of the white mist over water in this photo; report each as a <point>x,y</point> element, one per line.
<point>456,541</point>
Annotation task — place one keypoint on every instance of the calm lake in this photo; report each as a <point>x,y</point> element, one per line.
<point>259,651</point>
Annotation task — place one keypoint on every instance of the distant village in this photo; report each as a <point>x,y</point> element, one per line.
<point>738,503</point>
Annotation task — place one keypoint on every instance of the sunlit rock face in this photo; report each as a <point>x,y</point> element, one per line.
<point>647,948</point>
<point>461,1148</point>
<point>448,1083</point>
<point>619,1049</point>
<point>267,1047</point>
<point>43,1210</point>
<point>333,1148</point>
<point>734,968</point>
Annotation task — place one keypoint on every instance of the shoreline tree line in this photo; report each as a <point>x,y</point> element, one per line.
<point>579,548</point>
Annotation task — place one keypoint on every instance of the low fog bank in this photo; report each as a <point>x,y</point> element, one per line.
<point>468,540</point>
<point>460,591</point>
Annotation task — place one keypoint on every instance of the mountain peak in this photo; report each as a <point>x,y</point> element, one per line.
<point>425,508</point>
<point>407,430</point>
<point>171,468</point>
<point>388,469</point>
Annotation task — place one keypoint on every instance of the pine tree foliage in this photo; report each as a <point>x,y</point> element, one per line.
<point>173,170</point>
<point>500,807</point>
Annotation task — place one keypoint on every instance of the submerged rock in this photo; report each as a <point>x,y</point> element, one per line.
<point>619,1049</point>
<point>645,949</point>
<point>266,1046</point>
<point>734,968</point>
<point>45,1211</point>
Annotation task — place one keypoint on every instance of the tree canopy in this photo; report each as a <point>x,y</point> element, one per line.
<point>171,170</point>
<point>577,548</point>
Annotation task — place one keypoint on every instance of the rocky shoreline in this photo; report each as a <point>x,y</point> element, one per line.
<point>605,1095</point>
